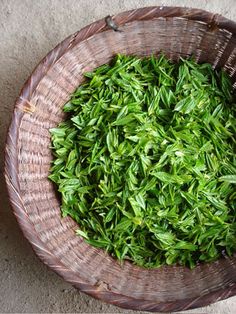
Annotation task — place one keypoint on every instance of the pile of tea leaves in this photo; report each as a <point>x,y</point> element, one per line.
<point>145,161</point>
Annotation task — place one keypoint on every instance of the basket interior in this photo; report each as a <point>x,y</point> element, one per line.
<point>175,37</point>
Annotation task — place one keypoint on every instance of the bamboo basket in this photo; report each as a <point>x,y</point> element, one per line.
<point>172,30</point>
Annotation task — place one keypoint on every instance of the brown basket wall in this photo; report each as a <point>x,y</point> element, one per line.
<point>176,32</point>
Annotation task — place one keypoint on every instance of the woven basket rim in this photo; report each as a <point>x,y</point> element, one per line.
<point>11,157</point>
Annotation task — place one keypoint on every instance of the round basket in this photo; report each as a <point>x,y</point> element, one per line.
<point>174,31</point>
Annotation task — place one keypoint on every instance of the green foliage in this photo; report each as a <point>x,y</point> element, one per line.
<point>145,162</point>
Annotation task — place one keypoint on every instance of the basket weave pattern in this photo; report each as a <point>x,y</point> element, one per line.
<point>175,31</point>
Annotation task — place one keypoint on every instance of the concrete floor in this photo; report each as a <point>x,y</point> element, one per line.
<point>29,29</point>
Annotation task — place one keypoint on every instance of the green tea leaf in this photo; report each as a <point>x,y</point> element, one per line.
<point>228,178</point>
<point>145,161</point>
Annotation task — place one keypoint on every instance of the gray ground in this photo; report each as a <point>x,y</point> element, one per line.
<point>28,30</point>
